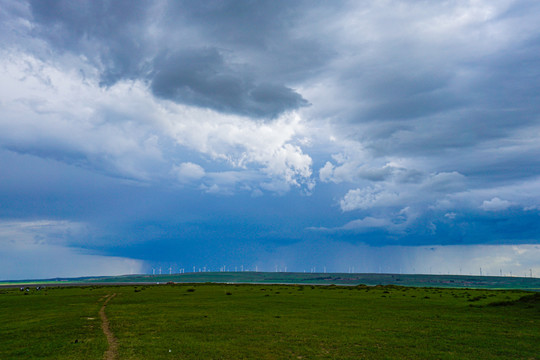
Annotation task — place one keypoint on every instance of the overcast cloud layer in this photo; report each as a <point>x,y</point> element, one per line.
<point>158,133</point>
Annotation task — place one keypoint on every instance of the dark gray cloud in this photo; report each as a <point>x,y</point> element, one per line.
<point>211,54</point>
<point>202,78</point>
<point>442,78</point>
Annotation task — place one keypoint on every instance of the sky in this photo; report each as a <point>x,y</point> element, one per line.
<point>368,136</point>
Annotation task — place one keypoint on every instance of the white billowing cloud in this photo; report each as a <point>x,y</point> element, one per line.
<point>398,191</point>
<point>525,194</point>
<point>242,143</point>
<point>188,171</point>
<point>40,249</point>
<point>354,164</point>
<point>51,109</point>
<point>325,173</point>
<point>368,197</point>
<point>495,204</point>
<point>401,198</point>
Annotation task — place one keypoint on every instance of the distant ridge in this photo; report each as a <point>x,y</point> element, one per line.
<point>416,280</point>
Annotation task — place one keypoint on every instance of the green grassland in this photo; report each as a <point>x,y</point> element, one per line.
<point>265,321</point>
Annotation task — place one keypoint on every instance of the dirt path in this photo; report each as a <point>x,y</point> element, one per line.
<point>111,352</point>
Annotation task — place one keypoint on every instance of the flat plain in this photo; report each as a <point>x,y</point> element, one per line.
<point>268,321</point>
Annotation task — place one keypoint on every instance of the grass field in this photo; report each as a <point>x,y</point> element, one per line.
<point>218,321</point>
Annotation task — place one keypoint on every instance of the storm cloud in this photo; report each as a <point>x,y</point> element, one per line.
<point>183,130</point>
<point>206,63</point>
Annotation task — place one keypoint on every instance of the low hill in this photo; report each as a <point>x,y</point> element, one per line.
<point>454,281</point>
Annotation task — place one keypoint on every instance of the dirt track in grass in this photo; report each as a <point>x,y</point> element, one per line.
<point>112,351</point>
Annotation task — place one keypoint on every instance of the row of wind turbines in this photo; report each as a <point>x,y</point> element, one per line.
<point>351,269</point>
